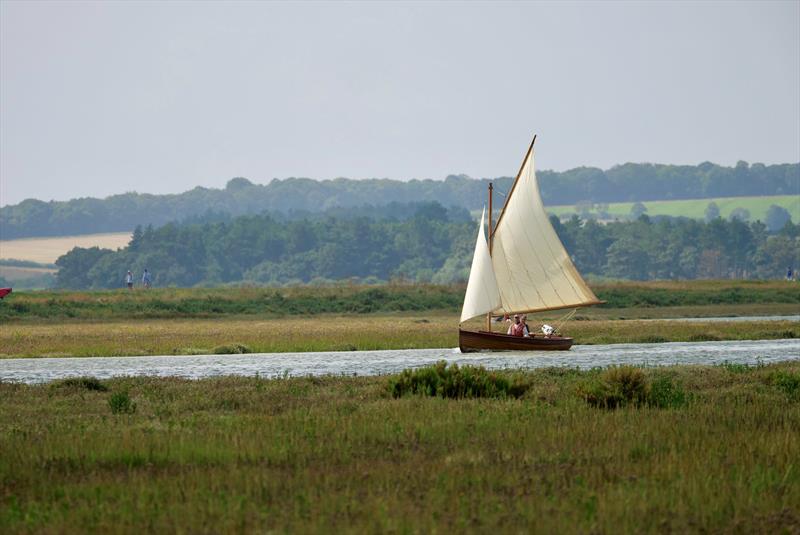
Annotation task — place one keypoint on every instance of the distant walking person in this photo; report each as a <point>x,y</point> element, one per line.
<point>129,280</point>
<point>146,279</point>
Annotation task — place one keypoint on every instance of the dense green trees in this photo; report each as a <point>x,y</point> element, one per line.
<point>298,196</point>
<point>777,217</point>
<point>431,244</point>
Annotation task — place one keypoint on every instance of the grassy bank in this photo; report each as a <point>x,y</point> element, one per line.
<point>267,302</point>
<point>187,321</point>
<point>343,455</point>
<point>331,333</point>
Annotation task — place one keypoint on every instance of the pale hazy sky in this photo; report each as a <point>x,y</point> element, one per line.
<point>99,98</point>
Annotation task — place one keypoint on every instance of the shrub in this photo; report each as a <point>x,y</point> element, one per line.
<point>120,403</point>
<point>651,339</point>
<point>735,368</point>
<point>665,394</point>
<point>704,337</point>
<point>788,383</point>
<point>81,383</point>
<point>231,349</point>
<point>455,382</point>
<point>616,386</point>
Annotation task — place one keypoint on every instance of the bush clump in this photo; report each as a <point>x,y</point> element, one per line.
<point>651,339</point>
<point>455,382</point>
<point>704,337</point>
<point>788,383</point>
<point>735,367</point>
<point>231,349</point>
<point>616,386</point>
<point>665,394</point>
<point>81,383</point>
<point>121,403</point>
<point>621,386</point>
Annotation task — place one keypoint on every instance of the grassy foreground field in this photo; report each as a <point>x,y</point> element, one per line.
<point>718,453</point>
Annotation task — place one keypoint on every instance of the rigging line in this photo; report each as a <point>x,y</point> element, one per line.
<point>565,318</point>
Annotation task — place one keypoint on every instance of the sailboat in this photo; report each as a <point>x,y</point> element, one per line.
<point>523,268</point>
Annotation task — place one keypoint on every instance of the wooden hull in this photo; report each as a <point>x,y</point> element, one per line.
<point>472,341</point>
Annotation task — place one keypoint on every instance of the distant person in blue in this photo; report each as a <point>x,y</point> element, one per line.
<point>789,273</point>
<point>146,279</point>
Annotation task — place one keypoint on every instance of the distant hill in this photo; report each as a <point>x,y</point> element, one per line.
<point>624,183</point>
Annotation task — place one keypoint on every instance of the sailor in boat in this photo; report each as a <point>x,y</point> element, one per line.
<point>518,328</point>
<point>524,321</point>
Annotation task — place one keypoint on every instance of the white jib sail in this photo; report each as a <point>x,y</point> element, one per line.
<point>482,294</point>
<point>531,266</point>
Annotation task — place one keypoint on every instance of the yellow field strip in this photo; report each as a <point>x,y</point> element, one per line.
<point>47,250</point>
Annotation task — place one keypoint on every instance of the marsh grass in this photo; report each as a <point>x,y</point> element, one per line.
<point>336,454</point>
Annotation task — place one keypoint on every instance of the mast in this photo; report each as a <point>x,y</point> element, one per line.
<point>489,315</point>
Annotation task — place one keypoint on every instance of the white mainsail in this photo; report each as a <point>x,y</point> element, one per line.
<point>530,267</point>
<point>482,294</point>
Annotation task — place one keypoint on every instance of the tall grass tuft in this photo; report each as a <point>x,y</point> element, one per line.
<point>80,383</point>
<point>735,368</point>
<point>455,382</point>
<point>664,393</point>
<point>617,386</point>
<point>231,349</point>
<point>788,383</point>
<point>121,403</point>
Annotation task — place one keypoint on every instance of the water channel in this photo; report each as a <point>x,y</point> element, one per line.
<point>37,370</point>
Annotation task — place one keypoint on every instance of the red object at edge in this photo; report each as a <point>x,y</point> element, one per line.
<point>4,292</point>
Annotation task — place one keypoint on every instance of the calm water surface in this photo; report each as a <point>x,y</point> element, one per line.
<point>385,362</point>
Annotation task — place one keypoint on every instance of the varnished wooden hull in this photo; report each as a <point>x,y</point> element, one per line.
<point>472,341</point>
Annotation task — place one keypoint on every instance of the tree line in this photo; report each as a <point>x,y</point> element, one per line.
<point>433,245</point>
<point>623,183</point>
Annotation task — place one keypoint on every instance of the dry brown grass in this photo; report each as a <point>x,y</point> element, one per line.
<point>175,336</point>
